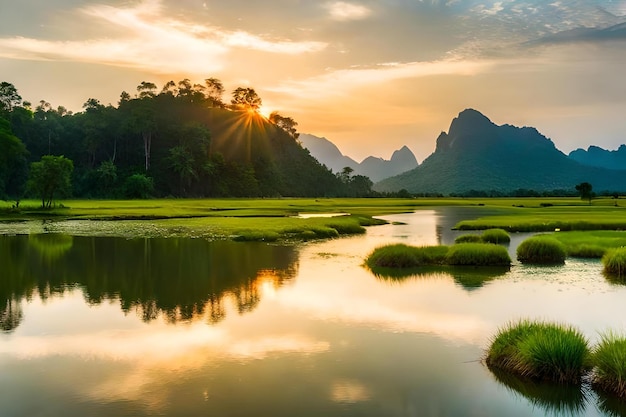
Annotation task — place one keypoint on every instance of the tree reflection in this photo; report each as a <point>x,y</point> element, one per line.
<point>180,279</point>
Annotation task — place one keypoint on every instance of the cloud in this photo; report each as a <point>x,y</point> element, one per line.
<point>342,81</point>
<point>151,40</point>
<point>612,33</point>
<point>343,11</point>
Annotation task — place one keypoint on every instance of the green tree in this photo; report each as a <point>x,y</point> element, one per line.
<point>585,191</point>
<point>138,186</point>
<point>51,175</point>
<point>12,163</point>
<point>9,98</point>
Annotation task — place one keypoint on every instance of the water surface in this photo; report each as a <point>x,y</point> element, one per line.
<point>188,327</point>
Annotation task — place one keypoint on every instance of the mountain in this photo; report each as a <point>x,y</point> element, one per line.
<point>375,168</point>
<point>476,154</point>
<point>597,157</point>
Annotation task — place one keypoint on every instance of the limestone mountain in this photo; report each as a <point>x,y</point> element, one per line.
<point>373,167</point>
<point>477,154</point>
<point>598,157</point>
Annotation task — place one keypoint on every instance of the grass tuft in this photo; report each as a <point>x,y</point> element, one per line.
<point>614,261</point>
<point>468,239</point>
<point>497,236</point>
<point>478,254</point>
<point>540,351</point>
<point>405,256</point>
<point>540,250</point>
<point>609,360</point>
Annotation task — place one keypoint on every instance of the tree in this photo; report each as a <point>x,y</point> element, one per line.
<point>345,174</point>
<point>9,98</point>
<point>584,189</point>
<point>246,98</point>
<point>285,123</point>
<point>50,176</point>
<point>214,91</point>
<point>12,162</point>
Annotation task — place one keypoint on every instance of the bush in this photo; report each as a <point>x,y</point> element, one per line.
<point>404,256</point>
<point>540,351</point>
<point>478,254</point>
<point>541,250</point>
<point>496,236</point>
<point>138,186</point>
<point>614,261</point>
<point>609,360</point>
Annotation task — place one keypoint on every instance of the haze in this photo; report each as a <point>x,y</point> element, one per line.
<point>369,75</point>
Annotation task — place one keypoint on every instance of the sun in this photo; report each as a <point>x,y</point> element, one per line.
<point>264,111</point>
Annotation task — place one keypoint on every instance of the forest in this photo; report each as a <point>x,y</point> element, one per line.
<point>181,140</point>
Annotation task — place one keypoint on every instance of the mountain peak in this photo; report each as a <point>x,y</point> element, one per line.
<point>470,120</point>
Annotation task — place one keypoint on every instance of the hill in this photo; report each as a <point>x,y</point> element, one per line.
<point>476,154</point>
<point>598,157</point>
<point>373,167</point>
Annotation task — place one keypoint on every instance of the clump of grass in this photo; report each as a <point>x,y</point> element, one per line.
<point>468,239</point>
<point>609,360</point>
<point>614,261</point>
<point>478,254</point>
<point>540,351</point>
<point>497,236</point>
<point>541,250</point>
<point>325,232</point>
<point>405,256</point>
<point>347,228</point>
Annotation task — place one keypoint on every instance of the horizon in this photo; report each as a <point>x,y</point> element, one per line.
<point>369,76</point>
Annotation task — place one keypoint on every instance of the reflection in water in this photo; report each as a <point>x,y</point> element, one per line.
<point>179,278</point>
<point>554,399</point>
<point>469,278</point>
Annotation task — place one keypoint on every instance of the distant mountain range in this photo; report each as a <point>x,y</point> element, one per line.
<point>476,154</point>
<point>597,157</point>
<point>375,168</point>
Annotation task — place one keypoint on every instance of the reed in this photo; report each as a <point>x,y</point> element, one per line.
<point>614,261</point>
<point>405,256</point>
<point>497,236</point>
<point>609,360</point>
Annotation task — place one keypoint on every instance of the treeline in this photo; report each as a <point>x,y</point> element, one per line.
<point>182,140</point>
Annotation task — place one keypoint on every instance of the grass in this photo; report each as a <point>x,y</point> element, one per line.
<point>497,236</point>
<point>478,254</point>
<point>614,261</point>
<point>540,351</point>
<point>590,244</point>
<point>609,360</point>
<point>468,239</point>
<point>541,250</point>
<point>405,256</point>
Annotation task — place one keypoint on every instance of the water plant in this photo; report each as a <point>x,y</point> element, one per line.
<point>614,261</point>
<point>468,239</point>
<point>609,360</point>
<point>497,236</point>
<point>478,254</point>
<point>405,256</point>
<point>540,351</point>
<point>541,249</point>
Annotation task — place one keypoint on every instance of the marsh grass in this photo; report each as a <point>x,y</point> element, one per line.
<point>540,351</point>
<point>590,244</point>
<point>478,254</point>
<point>614,261</point>
<point>405,256</point>
<point>497,236</point>
<point>468,239</point>
<point>541,250</point>
<point>609,360</point>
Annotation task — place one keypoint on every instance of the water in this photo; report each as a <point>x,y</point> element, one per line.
<point>187,327</point>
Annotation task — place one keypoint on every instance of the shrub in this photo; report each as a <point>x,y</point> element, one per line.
<point>541,250</point>
<point>496,236</point>
<point>614,262</point>
<point>477,254</point>
<point>468,239</point>
<point>138,186</point>
<point>540,351</point>
<point>609,360</point>
<point>404,256</point>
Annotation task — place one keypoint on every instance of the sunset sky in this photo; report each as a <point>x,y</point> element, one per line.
<point>370,75</point>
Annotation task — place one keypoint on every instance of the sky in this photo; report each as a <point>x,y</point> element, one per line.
<point>369,75</point>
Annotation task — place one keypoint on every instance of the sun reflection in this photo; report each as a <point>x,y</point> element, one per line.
<point>345,391</point>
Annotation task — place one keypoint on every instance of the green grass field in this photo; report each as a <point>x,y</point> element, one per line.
<point>277,219</point>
